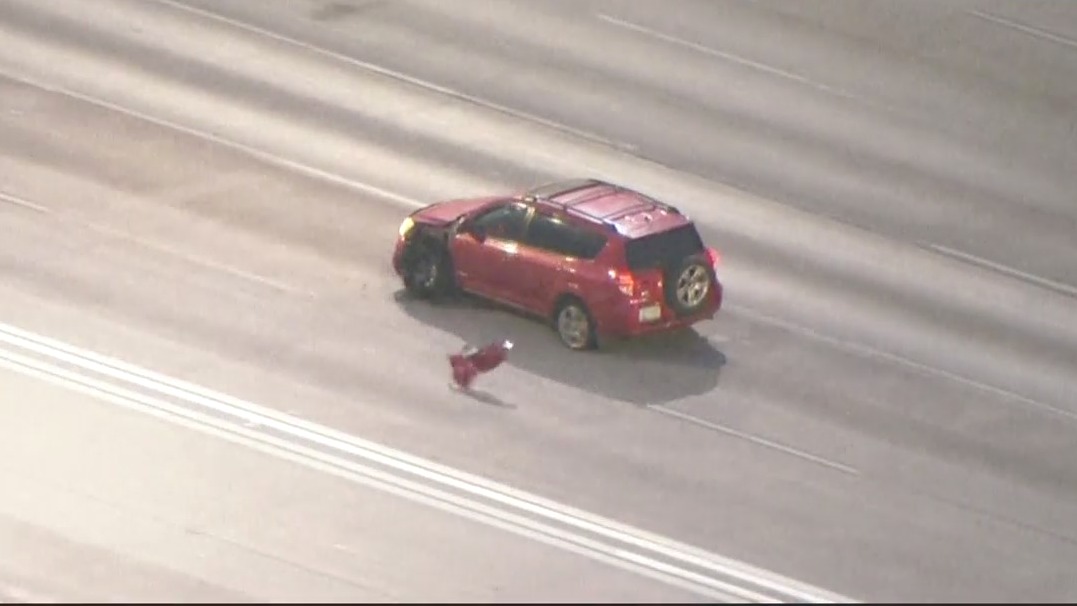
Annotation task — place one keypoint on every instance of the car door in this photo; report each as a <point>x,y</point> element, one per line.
<point>548,263</point>
<point>485,245</point>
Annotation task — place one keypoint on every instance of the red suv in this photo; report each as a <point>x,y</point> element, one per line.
<point>593,258</point>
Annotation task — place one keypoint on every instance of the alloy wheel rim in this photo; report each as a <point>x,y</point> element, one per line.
<point>572,324</point>
<point>693,285</point>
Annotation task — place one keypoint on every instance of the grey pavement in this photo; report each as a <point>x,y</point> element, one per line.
<point>884,409</point>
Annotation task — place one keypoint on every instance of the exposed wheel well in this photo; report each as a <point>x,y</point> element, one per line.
<point>424,236</point>
<point>433,243</point>
<point>560,302</point>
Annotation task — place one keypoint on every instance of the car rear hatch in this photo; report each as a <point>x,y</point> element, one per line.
<point>653,257</point>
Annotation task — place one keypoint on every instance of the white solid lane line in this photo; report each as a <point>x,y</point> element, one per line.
<point>21,202</point>
<point>1056,286</point>
<point>789,450</point>
<point>297,429</point>
<point>1027,29</point>
<point>262,155</point>
<point>186,257</point>
<point>870,352</point>
<point>194,259</point>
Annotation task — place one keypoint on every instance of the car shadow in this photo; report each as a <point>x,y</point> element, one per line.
<point>657,369</point>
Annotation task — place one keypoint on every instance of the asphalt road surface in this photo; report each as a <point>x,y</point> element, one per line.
<point>886,408</point>
<point>119,505</point>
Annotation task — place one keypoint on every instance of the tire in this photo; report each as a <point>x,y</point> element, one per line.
<point>688,285</point>
<point>574,325</point>
<point>428,269</point>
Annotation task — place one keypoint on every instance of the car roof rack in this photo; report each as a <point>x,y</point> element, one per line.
<point>546,194</point>
<point>558,188</point>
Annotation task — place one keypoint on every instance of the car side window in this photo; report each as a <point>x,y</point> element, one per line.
<point>555,235</point>
<point>504,222</point>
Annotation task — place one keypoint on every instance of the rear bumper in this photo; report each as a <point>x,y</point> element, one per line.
<point>623,320</point>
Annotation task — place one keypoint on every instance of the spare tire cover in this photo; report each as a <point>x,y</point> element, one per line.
<point>688,284</point>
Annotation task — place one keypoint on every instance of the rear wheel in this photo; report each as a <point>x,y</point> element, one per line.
<point>574,325</point>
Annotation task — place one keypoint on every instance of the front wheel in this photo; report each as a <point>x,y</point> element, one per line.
<point>428,273</point>
<point>575,326</point>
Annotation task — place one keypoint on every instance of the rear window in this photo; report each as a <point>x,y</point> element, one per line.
<point>658,250</point>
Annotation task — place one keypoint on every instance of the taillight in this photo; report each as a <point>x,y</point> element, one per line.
<point>714,257</point>
<point>626,282</point>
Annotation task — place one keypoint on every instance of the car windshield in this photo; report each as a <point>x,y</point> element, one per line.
<point>663,248</point>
